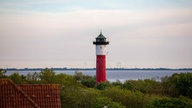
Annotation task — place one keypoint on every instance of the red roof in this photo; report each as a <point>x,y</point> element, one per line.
<point>28,95</point>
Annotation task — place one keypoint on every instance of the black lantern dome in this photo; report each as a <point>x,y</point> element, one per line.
<point>101,40</point>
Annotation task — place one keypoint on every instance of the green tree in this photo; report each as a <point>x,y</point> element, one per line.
<point>47,75</point>
<point>103,85</point>
<point>167,102</point>
<point>89,82</point>
<point>127,85</point>
<point>104,102</point>
<point>2,73</point>
<point>183,83</point>
<point>77,97</point>
<point>16,78</point>
<point>117,83</point>
<point>131,99</point>
<point>65,80</point>
<point>168,86</point>
<point>29,76</point>
<point>33,78</point>
<point>178,84</point>
<point>78,76</point>
<point>23,79</point>
<point>144,86</point>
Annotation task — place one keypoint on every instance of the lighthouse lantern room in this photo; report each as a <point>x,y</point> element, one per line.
<point>101,58</point>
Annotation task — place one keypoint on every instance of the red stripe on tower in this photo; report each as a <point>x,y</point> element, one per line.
<point>101,68</point>
<point>101,58</point>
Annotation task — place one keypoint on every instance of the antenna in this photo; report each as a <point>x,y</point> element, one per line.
<point>100,31</point>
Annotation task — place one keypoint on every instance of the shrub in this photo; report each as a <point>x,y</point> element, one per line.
<point>167,102</point>
<point>102,102</point>
<point>144,86</point>
<point>103,85</point>
<point>183,83</point>
<point>89,82</point>
<point>16,78</point>
<point>2,73</point>
<point>128,98</point>
<point>77,97</point>
<point>47,75</point>
<point>178,84</point>
<point>78,76</point>
<point>117,83</point>
<point>127,85</point>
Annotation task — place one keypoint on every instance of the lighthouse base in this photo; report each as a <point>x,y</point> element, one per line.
<point>101,68</point>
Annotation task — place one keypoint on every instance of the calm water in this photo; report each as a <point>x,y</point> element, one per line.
<point>122,75</point>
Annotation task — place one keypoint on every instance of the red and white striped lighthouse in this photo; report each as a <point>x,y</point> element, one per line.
<point>101,58</point>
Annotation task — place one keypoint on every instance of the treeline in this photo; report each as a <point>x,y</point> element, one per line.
<point>81,91</point>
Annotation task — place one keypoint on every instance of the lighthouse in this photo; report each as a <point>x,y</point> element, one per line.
<point>101,57</point>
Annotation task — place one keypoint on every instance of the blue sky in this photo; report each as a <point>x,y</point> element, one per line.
<point>59,33</point>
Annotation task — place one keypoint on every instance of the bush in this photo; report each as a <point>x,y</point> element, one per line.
<point>16,78</point>
<point>128,98</point>
<point>89,82</point>
<point>167,102</point>
<point>77,97</point>
<point>47,75</point>
<point>127,85</point>
<point>78,76</point>
<point>144,86</point>
<point>103,85</point>
<point>102,102</point>
<point>183,83</point>
<point>33,78</point>
<point>117,83</point>
<point>65,80</point>
<point>2,73</point>
<point>178,84</point>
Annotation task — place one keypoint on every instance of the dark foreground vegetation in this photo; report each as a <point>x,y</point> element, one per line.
<point>81,91</point>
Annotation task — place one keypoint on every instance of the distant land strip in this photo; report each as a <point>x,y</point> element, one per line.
<point>65,68</point>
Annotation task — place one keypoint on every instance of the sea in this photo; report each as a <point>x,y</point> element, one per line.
<point>114,75</point>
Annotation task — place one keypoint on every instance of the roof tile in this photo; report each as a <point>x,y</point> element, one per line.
<point>29,96</point>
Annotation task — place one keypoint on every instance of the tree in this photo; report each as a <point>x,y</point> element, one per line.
<point>33,78</point>
<point>2,73</point>
<point>29,77</point>
<point>47,75</point>
<point>144,86</point>
<point>127,85</point>
<point>183,83</point>
<point>78,76</point>
<point>117,83</point>
<point>23,78</point>
<point>77,97</point>
<point>178,84</point>
<point>104,102</point>
<point>167,102</point>
<point>131,99</point>
<point>103,85</point>
<point>89,82</point>
<point>16,78</point>
<point>65,80</point>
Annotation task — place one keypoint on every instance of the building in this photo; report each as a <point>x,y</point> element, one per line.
<point>29,95</point>
<point>101,58</point>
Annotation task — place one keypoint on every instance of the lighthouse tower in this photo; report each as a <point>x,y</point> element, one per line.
<point>101,58</point>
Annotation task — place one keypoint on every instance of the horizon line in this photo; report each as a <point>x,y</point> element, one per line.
<point>120,68</point>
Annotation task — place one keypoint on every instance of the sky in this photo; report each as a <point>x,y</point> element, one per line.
<point>60,33</point>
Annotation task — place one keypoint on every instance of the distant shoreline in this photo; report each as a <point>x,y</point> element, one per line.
<point>26,69</point>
